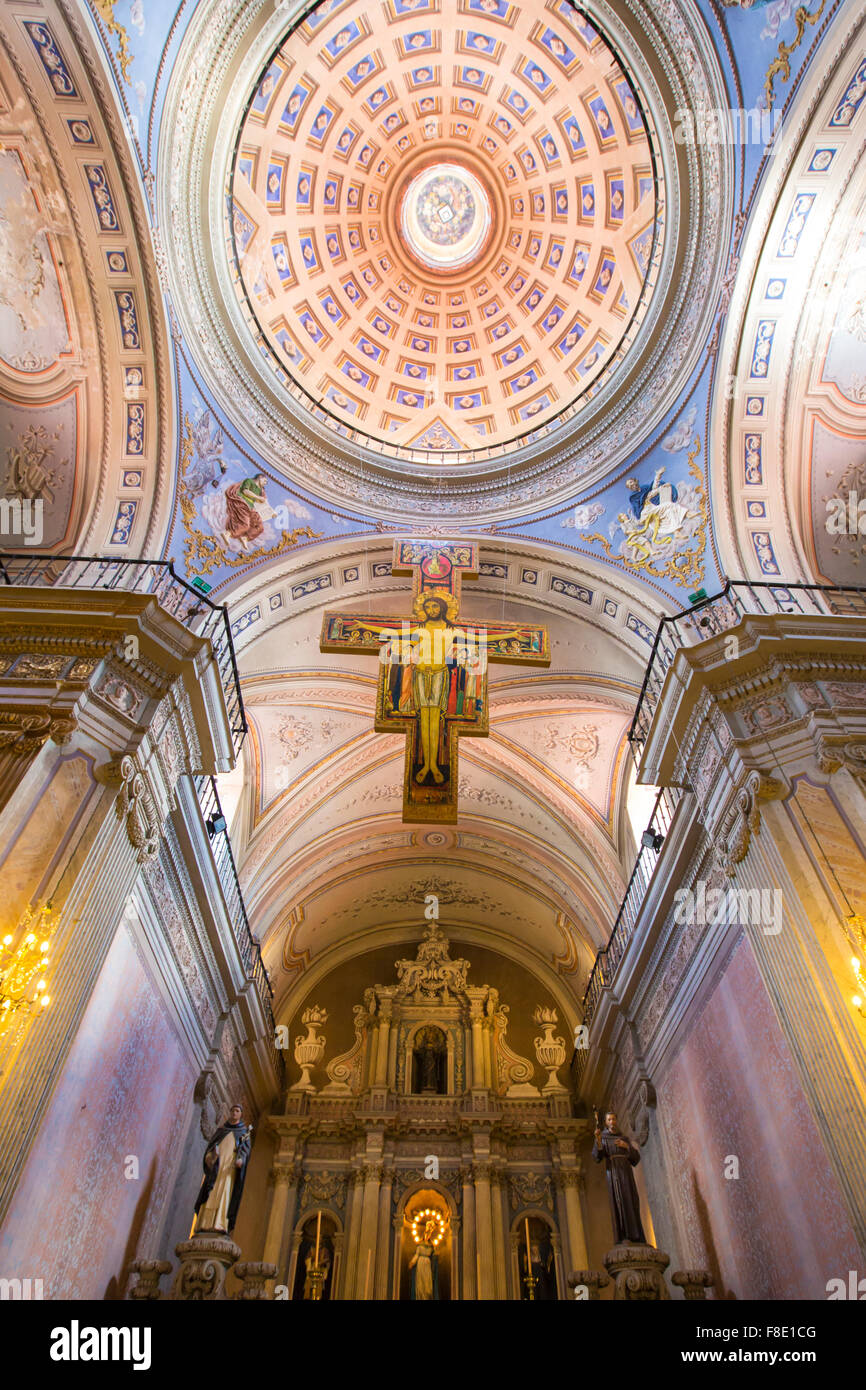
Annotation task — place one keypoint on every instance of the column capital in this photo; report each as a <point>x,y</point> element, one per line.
<point>283,1174</point>
<point>565,1178</point>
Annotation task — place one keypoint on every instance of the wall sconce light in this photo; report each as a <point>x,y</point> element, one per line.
<point>652,839</point>
<point>215,825</point>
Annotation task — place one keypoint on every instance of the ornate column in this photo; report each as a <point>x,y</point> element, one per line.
<point>568,1183</point>
<point>476,1017</point>
<point>380,1290</point>
<point>292,1268</point>
<point>385,1007</point>
<point>392,1055</point>
<point>484,1253</point>
<point>372,1055</point>
<point>285,1183</point>
<point>498,1222</point>
<point>517,1265</point>
<point>456,1256</point>
<point>487,1035</point>
<point>354,1205</point>
<point>556,1246</point>
<point>470,1270</point>
<point>365,1268</point>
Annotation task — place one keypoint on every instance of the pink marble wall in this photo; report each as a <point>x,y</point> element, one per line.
<point>126,1088</point>
<point>780,1230</point>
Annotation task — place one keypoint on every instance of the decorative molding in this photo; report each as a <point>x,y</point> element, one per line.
<point>137,805</point>
<point>530,1190</point>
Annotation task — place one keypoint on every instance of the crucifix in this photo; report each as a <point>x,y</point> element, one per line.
<point>433,669</point>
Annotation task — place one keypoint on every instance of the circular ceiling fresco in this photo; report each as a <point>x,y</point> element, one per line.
<point>445,220</point>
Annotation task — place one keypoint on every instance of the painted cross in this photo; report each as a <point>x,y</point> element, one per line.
<point>433,669</point>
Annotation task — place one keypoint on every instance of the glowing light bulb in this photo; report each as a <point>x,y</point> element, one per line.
<point>45,1001</point>
<point>856,1001</point>
<point>7,941</point>
<point>29,939</point>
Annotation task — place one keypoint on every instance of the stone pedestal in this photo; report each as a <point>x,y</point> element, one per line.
<point>254,1276</point>
<point>204,1262</point>
<point>149,1272</point>
<point>693,1282</point>
<point>590,1279</point>
<point>637,1272</point>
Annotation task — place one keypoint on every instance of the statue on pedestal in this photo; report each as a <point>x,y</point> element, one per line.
<point>225,1168</point>
<point>424,1266</point>
<point>619,1157</point>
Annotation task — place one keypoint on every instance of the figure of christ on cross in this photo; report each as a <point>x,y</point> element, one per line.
<point>432,670</point>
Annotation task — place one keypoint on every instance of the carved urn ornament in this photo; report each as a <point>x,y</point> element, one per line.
<point>310,1050</point>
<point>550,1051</point>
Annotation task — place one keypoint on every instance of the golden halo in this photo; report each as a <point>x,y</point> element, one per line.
<point>451,604</point>
<point>419,1221</point>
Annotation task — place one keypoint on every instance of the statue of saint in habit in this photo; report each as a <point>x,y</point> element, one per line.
<point>619,1157</point>
<point>225,1167</point>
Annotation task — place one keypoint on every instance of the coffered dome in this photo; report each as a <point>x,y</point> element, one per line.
<point>443,255</point>
<point>447,220</point>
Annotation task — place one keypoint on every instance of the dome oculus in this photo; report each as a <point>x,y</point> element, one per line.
<point>445,217</point>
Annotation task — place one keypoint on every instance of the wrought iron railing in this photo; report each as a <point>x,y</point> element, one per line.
<point>206,619</point>
<point>687,628</point>
<point>250,951</point>
<point>723,611</point>
<point>157,577</point>
<point>609,956</point>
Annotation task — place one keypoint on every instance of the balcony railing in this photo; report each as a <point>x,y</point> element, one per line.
<point>715,615</point>
<point>685,629</point>
<point>250,951</point>
<point>610,955</point>
<point>206,619</point>
<point>157,577</point>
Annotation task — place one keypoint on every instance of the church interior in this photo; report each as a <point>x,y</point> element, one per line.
<point>433,650</point>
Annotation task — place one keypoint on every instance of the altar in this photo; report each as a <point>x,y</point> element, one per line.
<point>432,1160</point>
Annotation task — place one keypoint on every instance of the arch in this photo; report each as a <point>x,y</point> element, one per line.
<point>86,372</point>
<point>516,1233</point>
<point>415,1189</point>
<point>295,1271</point>
<point>781,421</point>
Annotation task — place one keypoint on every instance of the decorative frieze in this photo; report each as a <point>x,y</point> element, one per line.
<point>323,1187</point>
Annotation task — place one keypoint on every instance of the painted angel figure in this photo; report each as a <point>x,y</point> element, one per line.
<point>240,514</point>
<point>208,464</point>
<point>659,514</point>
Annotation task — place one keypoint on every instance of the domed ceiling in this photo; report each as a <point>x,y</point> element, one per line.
<point>442,256</point>
<point>446,220</point>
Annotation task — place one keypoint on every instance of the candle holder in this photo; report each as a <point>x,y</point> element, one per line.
<point>531,1283</point>
<point>317,1283</point>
